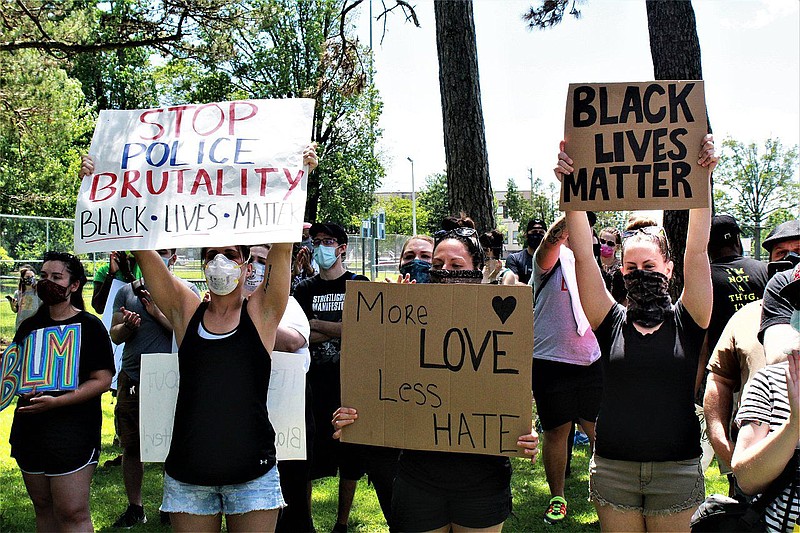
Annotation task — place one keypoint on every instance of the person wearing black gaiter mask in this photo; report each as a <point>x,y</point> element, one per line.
<point>645,473</point>
<point>449,490</point>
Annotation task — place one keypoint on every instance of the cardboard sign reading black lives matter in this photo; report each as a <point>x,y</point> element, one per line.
<point>438,367</point>
<point>635,146</point>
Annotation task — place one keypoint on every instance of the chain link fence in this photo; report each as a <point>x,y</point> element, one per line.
<point>23,241</point>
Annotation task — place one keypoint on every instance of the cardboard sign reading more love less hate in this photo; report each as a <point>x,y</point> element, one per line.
<point>438,367</point>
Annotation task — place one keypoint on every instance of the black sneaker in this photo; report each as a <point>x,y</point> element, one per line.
<point>133,515</point>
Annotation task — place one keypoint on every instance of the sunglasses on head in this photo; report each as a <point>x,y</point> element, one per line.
<point>655,231</point>
<point>458,232</point>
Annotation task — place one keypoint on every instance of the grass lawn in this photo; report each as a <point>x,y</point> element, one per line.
<point>108,495</point>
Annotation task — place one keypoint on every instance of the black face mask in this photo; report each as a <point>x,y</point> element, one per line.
<point>648,297</point>
<point>455,276</point>
<point>51,293</point>
<point>534,240</point>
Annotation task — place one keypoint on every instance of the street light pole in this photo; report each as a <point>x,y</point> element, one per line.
<point>530,173</point>
<point>413,200</point>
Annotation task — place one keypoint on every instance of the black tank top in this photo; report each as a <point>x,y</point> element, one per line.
<point>222,435</point>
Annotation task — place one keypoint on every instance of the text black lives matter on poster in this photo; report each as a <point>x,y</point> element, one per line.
<point>635,146</point>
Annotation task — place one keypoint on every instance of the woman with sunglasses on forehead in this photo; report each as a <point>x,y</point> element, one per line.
<point>448,491</point>
<point>645,474</point>
<point>610,265</point>
<point>222,455</point>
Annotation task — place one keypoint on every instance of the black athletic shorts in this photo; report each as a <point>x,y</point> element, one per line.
<point>420,507</point>
<point>56,465</point>
<point>566,392</point>
<point>126,411</point>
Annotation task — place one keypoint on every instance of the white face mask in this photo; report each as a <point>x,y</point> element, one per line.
<point>222,275</point>
<point>255,278</point>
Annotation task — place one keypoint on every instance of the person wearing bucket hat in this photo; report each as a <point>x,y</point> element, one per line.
<point>782,240</point>
<point>776,333</point>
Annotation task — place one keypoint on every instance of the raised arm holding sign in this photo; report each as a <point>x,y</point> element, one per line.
<point>219,176</point>
<point>650,354</point>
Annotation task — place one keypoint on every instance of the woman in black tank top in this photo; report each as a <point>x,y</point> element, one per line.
<point>222,454</point>
<point>435,490</point>
<point>645,473</point>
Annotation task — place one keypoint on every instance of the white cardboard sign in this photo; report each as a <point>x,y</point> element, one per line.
<point>158,393</point>
<point>195,175</point>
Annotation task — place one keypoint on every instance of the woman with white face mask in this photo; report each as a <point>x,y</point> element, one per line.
<point>222,455</point>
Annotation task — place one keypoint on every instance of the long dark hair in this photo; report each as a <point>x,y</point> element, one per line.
<point>24,269</point>
<point>76,273</point>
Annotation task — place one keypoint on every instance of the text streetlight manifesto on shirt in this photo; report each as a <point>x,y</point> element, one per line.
<point>192,175</point>
<point>635,146</point>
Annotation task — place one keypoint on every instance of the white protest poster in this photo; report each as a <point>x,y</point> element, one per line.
<point>214,173</point>
<point>108,315</point>
<point>286,403</point>
<point>158,393</point>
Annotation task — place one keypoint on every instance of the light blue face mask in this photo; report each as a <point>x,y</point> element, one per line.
<point>325,256</point>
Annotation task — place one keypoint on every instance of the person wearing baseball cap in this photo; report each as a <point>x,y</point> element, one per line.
<point>736,280</point>
<point>521,263</point>
<point>322,300</point>
<point>733,352</point>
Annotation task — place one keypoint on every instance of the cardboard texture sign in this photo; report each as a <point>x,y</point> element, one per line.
<point>635,146</point>
<point>438,367</point>
<point>192,175</point>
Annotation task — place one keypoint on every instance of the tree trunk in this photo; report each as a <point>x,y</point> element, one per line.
<point>757,236</point>
<point>469,188</point>
<point>675,50</point>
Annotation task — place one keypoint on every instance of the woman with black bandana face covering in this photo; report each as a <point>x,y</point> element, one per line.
<point>446,490</point>
<point>645,474</point>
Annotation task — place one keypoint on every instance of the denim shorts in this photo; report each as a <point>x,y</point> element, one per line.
<point>652,488</point>
<point>260,494</point>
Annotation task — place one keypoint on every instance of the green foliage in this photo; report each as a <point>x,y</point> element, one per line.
<point>543,205</point>
<point>755,183</point>
<point>399,219</point>
<point>519,209</point>
<point>290,48</point>
<point>6,265</point>
<point>432,198</point>
<point>44,126</point>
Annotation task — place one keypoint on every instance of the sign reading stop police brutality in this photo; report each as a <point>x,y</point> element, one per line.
<point>213,173</point>
<point>635,146</point>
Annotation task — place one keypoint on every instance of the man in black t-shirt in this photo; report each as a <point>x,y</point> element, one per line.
<point>736,280</point>
<point>322,299</point>
<point>521,263</point>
